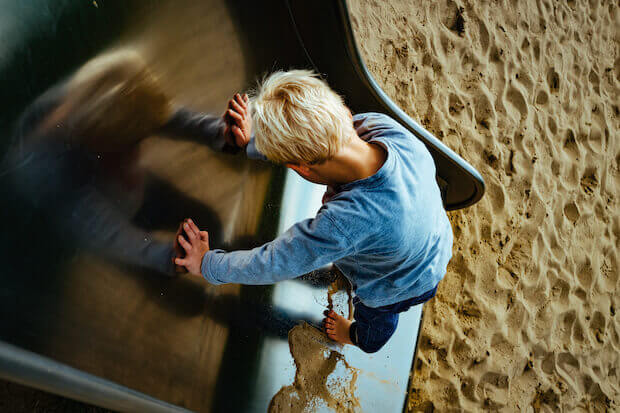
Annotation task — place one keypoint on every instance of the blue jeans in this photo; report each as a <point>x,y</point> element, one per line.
<point>373,327</point>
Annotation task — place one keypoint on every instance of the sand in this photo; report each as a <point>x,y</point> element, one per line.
<point>319,384</point>
<point>313,388</point>
<point>527,92</point>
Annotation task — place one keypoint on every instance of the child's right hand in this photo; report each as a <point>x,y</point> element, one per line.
<point>195,244</point>
<point>239,120</point>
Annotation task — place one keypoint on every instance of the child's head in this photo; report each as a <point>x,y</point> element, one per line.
<point>114,100</point>
<point>298,119</point>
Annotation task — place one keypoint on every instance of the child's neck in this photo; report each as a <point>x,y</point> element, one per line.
<point>357,160</point>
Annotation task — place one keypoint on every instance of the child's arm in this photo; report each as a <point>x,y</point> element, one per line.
<point>306,246</point>
<point>229,133</point>
<point>203,128</point>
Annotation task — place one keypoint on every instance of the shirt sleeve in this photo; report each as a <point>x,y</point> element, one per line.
<point>203,128</point>
<point>206,129</point>
<point>252,152</point>
<point>373,125</point>
<point>306,246</point>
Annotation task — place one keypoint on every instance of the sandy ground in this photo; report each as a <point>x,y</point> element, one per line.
<point>527,92</point>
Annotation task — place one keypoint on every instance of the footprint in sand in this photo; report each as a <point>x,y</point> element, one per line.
<point>565,327</point>
<point>553,127</point>
<point>585,274</point>
<point>536,50</point>
<point>594,80</point>
<point>453,17</point>
<point>483,34</point>
<point>597,327</point>
<point>542,98</point>
<point>570,144</point>
<point>578,333</point>
<point>553,80</point>
<point>455,105</point>
<point>517,100</point>
<point>559,291</point>
<point>567,363</point>
<point>493,389</point>
<point>517,315</point>
<point>609,274</point>
<point>589,181</point>
<point>571,212</point>
<point>548,364</point>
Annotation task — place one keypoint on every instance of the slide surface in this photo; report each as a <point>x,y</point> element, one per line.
<point>181,340</point>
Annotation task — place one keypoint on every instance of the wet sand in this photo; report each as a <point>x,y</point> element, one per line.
<point>314,386</point>
<point>527,92</point>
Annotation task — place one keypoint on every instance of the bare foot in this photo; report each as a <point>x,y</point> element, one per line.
<point>337,328</point>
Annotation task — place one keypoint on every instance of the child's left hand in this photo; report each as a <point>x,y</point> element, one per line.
<point>196,245</point>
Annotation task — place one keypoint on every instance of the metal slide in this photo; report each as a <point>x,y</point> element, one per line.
<point>106,330</point>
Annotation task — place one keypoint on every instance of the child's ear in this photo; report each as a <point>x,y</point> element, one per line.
<point>301,169</point>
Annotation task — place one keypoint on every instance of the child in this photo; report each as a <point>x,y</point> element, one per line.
<point>382,223</point>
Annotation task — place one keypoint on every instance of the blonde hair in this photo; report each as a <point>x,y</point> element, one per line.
<point>114,100</point>
<point>298,118</point>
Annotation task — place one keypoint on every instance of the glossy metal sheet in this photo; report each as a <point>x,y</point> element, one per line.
<point>180,340</point>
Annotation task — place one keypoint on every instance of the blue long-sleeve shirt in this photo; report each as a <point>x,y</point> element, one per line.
<point>388,233</point>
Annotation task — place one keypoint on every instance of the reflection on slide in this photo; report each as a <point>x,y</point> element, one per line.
<point>75,158</point>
